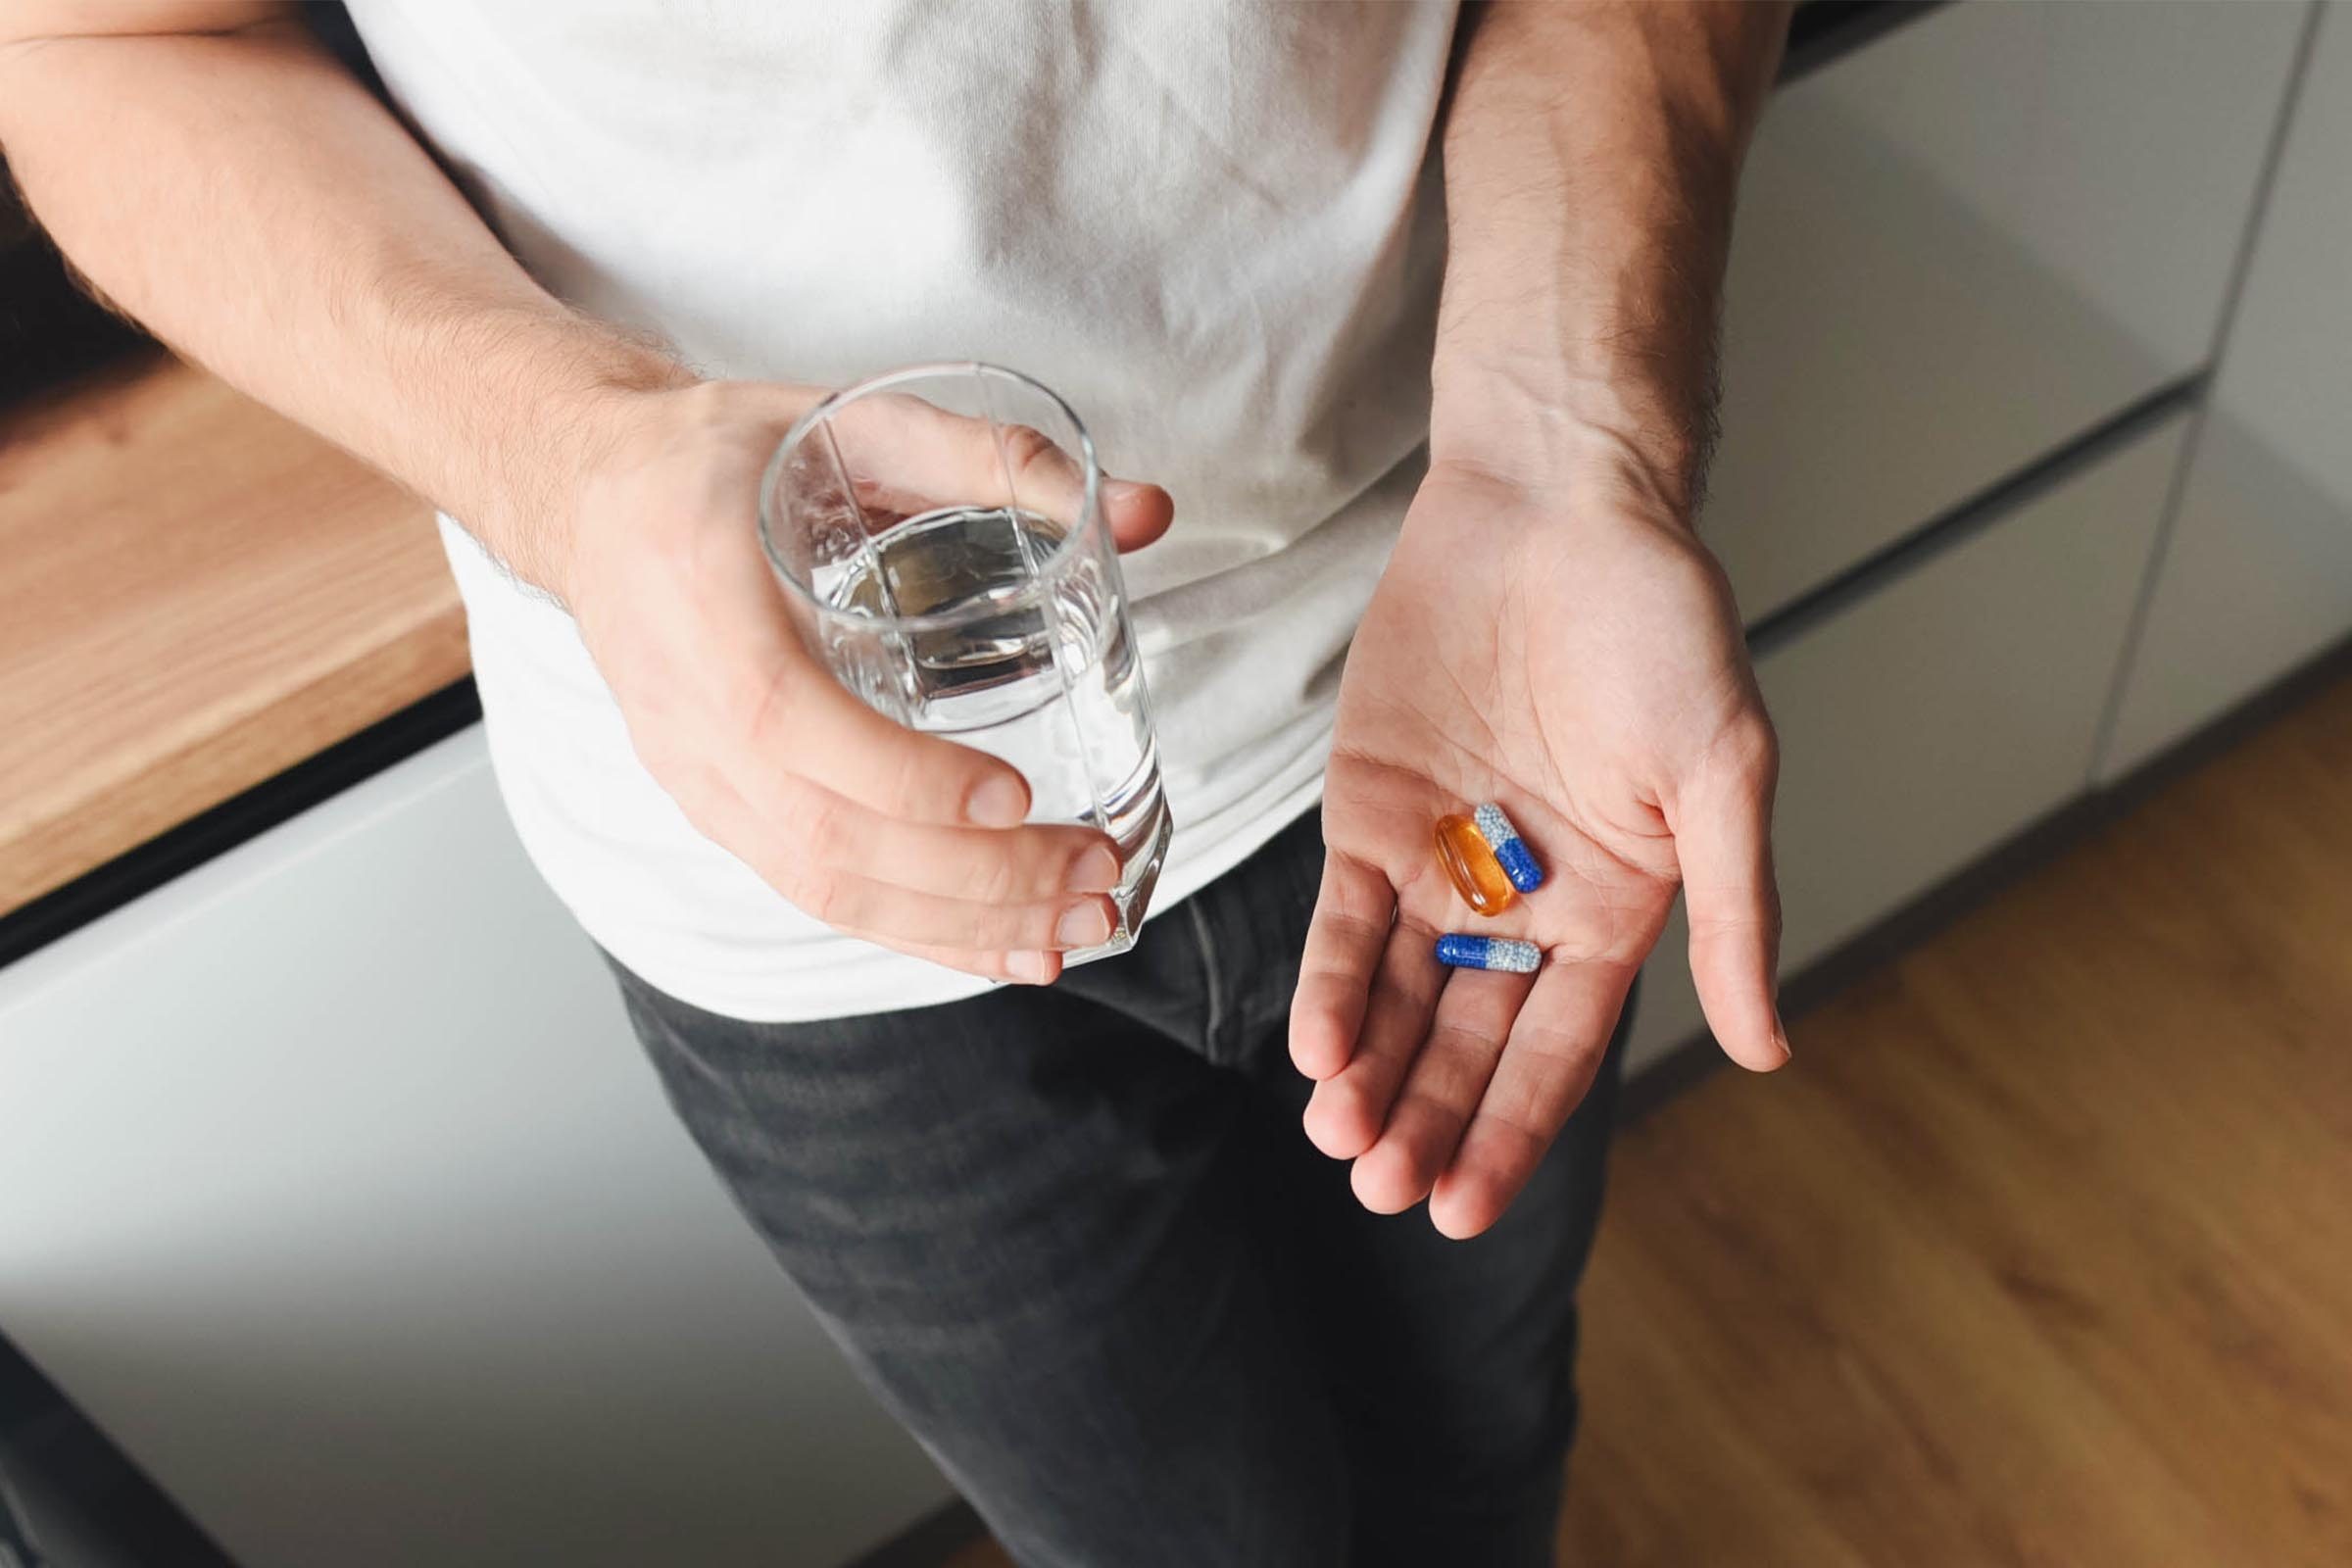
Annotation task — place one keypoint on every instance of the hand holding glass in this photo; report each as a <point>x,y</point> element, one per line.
<point>940,536</point>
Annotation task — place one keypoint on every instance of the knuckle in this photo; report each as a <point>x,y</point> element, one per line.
<point>824,895</point>
<point>989,877</point>
<point>756,707</point>
<point>935,779</point>
<point>1026,446</point>
<point>1338,930</point>
<point>1421,1121</point>
<point>812,820</point>
<point>1723,923</point>
<point>1020,929</point>
<point>909,777</point>
<point>1024,927</point>
<point>1752,746</point>
<point>1363,1104</point>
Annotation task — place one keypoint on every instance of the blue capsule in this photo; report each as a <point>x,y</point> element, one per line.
<point>1460,951</point>
<point>1511,853</point>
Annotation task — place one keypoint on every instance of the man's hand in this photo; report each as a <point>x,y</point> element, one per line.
<point>1573,654</point>
<point>905,839</point>
<point>248,201</point>
<point>1550,634</point>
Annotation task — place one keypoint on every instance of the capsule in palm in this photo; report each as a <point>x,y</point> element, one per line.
<point>1461,951</point>
<point>1511,853</point>
<point>1470,865</point>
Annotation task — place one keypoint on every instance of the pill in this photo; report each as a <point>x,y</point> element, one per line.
<point>1510,850</point>
<point>1470,865</point>
<point>1460,951</point>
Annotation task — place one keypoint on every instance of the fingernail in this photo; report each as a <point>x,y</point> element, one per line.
<point>1122,492</point>
<point>1083,925</point>
<point>1096,870</point>
<point>1034,967</point>
<point>998,801</point>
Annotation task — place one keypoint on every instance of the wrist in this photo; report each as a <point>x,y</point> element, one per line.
<point>658,463</point>
<point>567,449</point>
<point>533,525</point>
<point>1569,437</point>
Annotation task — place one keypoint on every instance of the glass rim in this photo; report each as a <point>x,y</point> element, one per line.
<point>1090,506</point>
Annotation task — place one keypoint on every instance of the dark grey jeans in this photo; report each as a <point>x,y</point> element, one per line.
<point>1078,1243</point>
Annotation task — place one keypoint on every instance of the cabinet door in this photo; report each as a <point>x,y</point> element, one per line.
<point>2257,575</point>
<point>1925,724</point>
<point>1966,244</point>
<point>336,1191</point>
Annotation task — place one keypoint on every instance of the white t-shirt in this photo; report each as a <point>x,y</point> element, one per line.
<point>1213,227</point>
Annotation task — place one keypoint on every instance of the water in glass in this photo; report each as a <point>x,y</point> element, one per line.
<point>1038,667</point>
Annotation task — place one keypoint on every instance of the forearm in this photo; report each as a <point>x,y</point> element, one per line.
<point>240,195</point>
<point>1591,155</point>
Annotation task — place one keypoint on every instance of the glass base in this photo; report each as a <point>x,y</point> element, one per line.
<point>1133,896</point>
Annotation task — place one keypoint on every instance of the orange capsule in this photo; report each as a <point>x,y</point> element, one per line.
<point>1470,865</point>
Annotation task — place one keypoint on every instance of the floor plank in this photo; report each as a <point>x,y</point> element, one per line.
<point>2040,1253</point>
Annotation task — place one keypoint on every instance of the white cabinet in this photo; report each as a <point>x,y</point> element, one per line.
<point>1923,725</point>
<point>2257,574</point>
<point>1967,243</point>
<point>334,1188</point>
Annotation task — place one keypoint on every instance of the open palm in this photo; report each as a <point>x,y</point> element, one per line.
<point>1578,661</point>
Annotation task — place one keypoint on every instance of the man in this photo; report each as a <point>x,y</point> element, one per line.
<point>1404,319</point>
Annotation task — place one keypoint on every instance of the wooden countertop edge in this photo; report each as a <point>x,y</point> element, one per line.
<point>200,598</point>
<point>422,660</point>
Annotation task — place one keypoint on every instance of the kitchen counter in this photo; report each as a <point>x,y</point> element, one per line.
<point>197,594</point>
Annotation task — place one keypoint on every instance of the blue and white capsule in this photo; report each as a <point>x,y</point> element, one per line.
<point>1460,951</point>
<point>1511,853</point>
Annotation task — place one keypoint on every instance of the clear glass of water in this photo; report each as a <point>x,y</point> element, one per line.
<point>938,533</point>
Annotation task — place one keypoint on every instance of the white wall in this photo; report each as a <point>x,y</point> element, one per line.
<point>2257,575</point>
<point>1967,243</point>
<point>336,1191</point>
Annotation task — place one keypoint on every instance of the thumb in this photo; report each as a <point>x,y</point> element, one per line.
<point>1137,514</point>
<point>1722,837</point>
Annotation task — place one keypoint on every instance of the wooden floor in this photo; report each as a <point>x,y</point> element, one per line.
<point>2041,1253</point>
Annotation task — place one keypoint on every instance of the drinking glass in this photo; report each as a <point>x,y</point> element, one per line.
<point>938,533</point>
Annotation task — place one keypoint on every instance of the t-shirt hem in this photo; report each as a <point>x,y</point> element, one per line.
<point>897,983</point>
